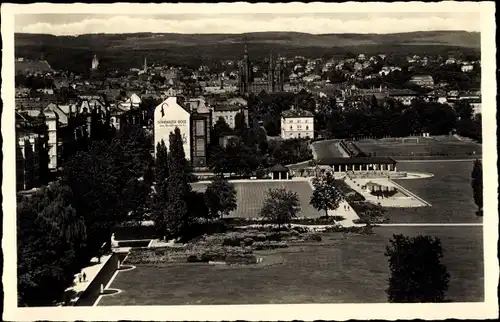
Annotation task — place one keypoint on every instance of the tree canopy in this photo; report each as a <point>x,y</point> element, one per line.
<point>220,197</point>
<point>280,206</point>
<point>417,274</point>
<point>477,184</point>
<point>325,195</point>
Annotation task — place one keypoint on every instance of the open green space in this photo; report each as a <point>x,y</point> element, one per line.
<point>343,268</point>
<point>426,147</point>
<point>448,191</point>
<point>251,195</point>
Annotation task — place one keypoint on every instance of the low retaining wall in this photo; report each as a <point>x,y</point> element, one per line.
<point>409,193</point>
<point>134,232</point>
<point>90,295</point>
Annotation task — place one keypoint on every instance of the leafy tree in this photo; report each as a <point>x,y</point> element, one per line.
<point>220,197</point>
<point>176,214</point>
<point>325,195</point>
<point>280,206</point>
<point>417,274</point>
<point>221,128</point>
<point>240,125</point>
<point>477,184</point>
<point>50,234</point>
<point>161,163</point>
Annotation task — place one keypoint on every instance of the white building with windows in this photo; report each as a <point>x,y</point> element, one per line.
<point>297,123</point>
<point>168,115</point>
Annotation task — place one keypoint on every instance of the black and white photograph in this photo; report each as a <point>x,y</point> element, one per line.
<point>246,161</point>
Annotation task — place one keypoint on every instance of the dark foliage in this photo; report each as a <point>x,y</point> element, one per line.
<point>417,274</point>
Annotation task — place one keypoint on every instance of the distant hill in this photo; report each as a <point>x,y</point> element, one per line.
<point>129,50</point>
<point>155,40</point>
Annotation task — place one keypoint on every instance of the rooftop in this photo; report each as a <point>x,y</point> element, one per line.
<point>401,92</point>
<point>296,113</point>
<point>356,160</point>
<point>32,66</point>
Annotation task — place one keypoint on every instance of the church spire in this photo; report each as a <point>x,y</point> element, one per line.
<point>246,49</point>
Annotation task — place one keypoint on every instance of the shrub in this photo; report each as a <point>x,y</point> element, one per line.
<point>234,242</point>
<point>300,229</point>
<point>313,237</point>
<point>192,259</point>
<point>274,237</point>
<point>260,237</point>
<point>267,245</point>
<point>240,259</point>
<point>248,241</point>
<point>285,234</point>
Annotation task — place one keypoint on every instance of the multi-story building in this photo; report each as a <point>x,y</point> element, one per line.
<point>297,123</point>
<point>405,96</point>
<point>173,113</point>
<point>29,144</point>
<point>422,80</point>
<point>51,122</point>
<point>228,112</point>
<point>467,68</point>
<point>274,82</point>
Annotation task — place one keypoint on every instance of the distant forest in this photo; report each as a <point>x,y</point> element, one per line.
<point>119,52</point>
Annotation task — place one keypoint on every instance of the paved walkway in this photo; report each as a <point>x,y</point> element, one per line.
<point>411,201</point>
<point>91,272</point>
<point>345,210</point>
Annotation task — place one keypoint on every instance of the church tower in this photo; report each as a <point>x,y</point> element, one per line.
<point>270,73</point>
<point>280,75</point>
<point>95,63</point>
<point>245,72</point>
<point>145,67</point>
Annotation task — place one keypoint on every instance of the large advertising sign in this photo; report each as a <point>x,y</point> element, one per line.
<point>168,116</point>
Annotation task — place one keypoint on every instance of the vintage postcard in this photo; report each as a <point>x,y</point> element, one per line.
<point>249,161</point>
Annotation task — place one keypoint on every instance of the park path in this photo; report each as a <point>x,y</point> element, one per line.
<point>344,210</point>
<point>91,271</point>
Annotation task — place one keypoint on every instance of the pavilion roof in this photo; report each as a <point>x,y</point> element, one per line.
<point>356,160</point>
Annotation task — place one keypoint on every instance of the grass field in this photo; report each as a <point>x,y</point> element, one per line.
<point>425,147</point>
<point>449,192</point>
<point>251,195</point>
<point>341,269</point>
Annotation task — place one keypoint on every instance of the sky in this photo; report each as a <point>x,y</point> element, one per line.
<point>314,23</point>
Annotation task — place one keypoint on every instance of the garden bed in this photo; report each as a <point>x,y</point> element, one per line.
<point>232,247</point>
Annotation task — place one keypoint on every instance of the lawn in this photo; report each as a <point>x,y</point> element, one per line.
<point>425,147</point>
<point>449,192</point>
<point>251,195</point>
<point>340,269</point>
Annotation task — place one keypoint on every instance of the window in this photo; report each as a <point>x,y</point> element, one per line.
<point>199,148</point>
<point>291,127</point>
<point>200,127</point>
<point>307,127</point>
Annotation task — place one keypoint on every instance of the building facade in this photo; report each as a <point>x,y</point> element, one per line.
<point>423,80</point>
<point>296,123</point>
<point>275,76</point>
<point>228,113</point>
<point>193,126</point>
<point>27,161</point>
